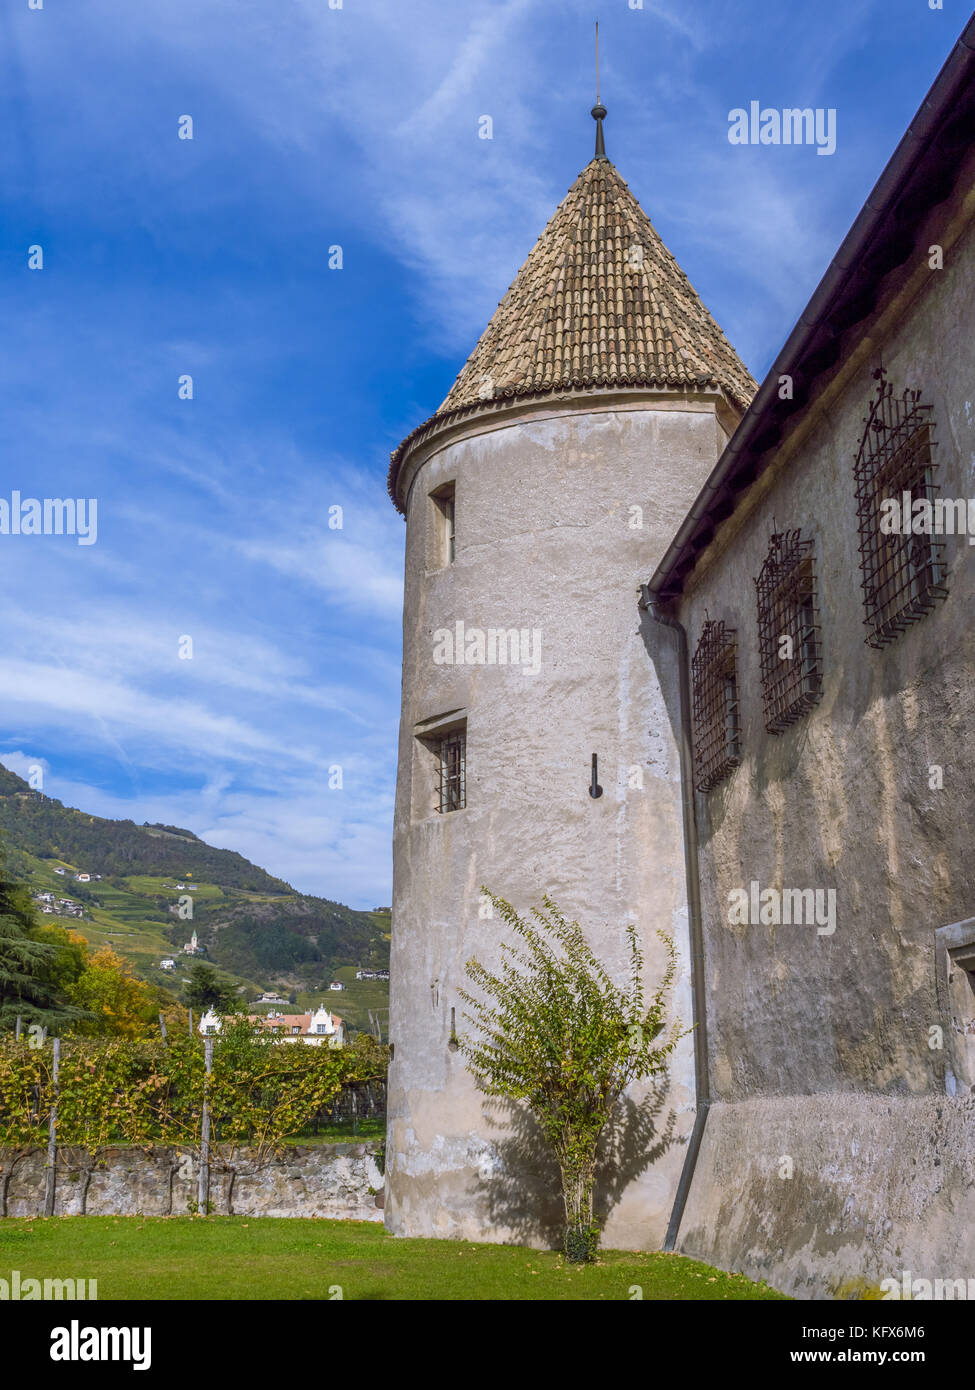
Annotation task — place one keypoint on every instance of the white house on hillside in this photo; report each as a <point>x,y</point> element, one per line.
<point>317,1029</point>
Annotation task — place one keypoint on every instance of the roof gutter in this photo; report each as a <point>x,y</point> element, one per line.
<point>813,345</point>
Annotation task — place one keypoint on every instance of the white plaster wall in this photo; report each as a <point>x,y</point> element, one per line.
<point>543,541</point>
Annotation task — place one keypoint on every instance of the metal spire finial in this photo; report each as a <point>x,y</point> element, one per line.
<point>598,111</point>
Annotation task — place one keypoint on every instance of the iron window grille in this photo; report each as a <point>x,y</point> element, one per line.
<point>792,669</point>
<point>717,740</point>
<point>453,772</point>
<point>903,576</point>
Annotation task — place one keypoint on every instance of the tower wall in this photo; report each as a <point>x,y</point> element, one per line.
<point>545,541</point>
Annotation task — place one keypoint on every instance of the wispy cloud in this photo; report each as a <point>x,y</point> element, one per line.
<point>316,126</point>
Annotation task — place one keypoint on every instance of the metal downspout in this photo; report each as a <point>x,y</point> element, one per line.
<point>651,603</point>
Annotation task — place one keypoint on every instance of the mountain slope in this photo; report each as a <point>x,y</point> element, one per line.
<point>151,886</point>
<point>46,829</point>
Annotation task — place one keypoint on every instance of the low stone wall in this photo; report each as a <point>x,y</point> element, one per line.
<point>342,1181</point>
<point>880,1185</point>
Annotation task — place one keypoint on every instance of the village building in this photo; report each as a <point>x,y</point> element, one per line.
<point>317,1028</point>
<point>729,700</point>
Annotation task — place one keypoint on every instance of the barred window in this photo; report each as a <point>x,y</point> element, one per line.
<point>903,575</point>
<point>716,729</point>
<point>453,771</point>
<point>790,649</point>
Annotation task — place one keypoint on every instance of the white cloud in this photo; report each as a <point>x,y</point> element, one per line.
<point>24,764</point>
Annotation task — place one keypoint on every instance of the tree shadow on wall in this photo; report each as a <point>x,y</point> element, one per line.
<point>523,1195</point>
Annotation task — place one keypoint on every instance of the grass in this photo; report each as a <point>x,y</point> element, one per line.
<point>370,1130</point>
<point>241,1257</point>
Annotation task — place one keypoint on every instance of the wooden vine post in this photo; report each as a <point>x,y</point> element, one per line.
<point>203,1189</point>
<point>52,1137</point>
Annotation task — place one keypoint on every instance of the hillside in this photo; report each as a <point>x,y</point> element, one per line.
<point>45,829</point>
<point>252,926</point>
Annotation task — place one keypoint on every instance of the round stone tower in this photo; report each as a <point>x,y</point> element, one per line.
<point>538,745</point>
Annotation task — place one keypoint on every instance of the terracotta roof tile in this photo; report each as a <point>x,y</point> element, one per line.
<point>600,301</point>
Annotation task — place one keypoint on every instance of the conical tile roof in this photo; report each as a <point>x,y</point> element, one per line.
<point>599,302</point>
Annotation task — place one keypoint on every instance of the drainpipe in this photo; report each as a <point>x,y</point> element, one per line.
<point>650,601</point>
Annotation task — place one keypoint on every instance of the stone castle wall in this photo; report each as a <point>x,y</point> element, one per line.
<point>341,1181</point>
<point>849,1054</point>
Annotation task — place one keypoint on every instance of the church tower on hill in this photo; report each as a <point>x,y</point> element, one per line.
<point>539,746</point>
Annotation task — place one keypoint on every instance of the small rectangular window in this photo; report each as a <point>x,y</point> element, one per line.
<point>440,764</point>
<point>453,771</point>
<point>443,503</point>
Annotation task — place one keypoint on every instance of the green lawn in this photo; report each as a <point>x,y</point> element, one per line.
<point>241,1257</point>
<point>369,1130</point>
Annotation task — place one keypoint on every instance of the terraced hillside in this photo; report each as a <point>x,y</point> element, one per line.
<point>144,882</point>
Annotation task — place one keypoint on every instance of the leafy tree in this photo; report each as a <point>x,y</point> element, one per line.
<point>208,990</point>
<point>118,1005</point>
<point>28,985</point>
<point>68,964</point>
<point>557,1034</point>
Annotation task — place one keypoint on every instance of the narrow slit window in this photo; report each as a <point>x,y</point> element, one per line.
<point>443,504</point>
<point>717,733</point>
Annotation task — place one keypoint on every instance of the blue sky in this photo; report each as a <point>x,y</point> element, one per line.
<point>314,127</point>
